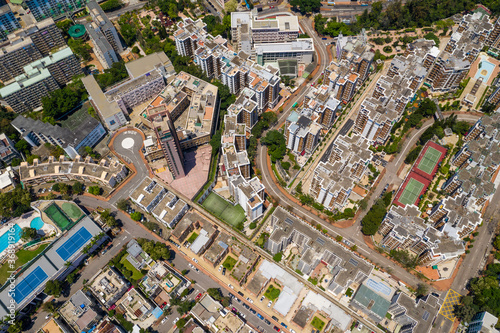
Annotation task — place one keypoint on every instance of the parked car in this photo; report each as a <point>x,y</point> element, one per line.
<point>248,299</point>
<point>284,325</point>
<point>198,296</point>
<point>175,320</point>
<point>234,310</point>
<point>260,316</point>
<point>164,320</point>
<point>224,271</point>
<point>246,306</point>
<point>274,318</point>
<point>230,286</point>
<point>269,304</point>
<point>231,295</point>
<point>220,268</point>
<point>194,259</point>
<point>253,311</point>
<point>276,328</point>
<point>262,298</point>
<point>267,321</point>
<point>242,315</point>
<point>240,293</point>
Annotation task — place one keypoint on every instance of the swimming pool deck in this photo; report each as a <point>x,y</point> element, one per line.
<point>474,68</point>
<point>24,221</point>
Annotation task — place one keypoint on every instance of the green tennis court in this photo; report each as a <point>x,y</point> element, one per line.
<point>411,192</point>
<point>57,216</point>
<point>429,160</point>
<point>71,210</point>
<point>224,210</point>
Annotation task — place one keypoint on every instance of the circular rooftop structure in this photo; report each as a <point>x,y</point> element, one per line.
<point>77,31</point>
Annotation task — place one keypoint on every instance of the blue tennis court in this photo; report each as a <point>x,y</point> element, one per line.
<point>32,281</point>
<point>74,243</point>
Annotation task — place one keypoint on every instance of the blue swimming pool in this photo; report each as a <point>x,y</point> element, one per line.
<point>37,223</point>
<point>485,66</point>
<point>4,239</point>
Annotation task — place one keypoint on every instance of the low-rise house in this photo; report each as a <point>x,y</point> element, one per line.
<point>137,307</point>
<point>218,250</point>
<point>108,286</point>
<point>136,255</point>
<point>80,312</point>
<point>205,239</point>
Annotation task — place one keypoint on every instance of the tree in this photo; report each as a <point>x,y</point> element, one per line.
<point>136,216</point>
<point>215,142</point>
<point>17,327</point>
<point>461,127</point>
<point>122,204</point>
<point>185,307</point>
<point>252,226</point>
<point>109,219</point>
<point>276,145</point>
<point>16,202</point>
<point>422,290</point>
<point>54,288</point>
<point>62,101</point>
<point>95,190</point>
<point>77,188</point>
<point>81,49</point>
<point>28,234</point>
<point>278,256</point>
<point>50,307</point>
<point>231,6</point>
<point>111,5</point>
<point>306,6</point>
<point>413,154</point>
<point>372,220</point>
<point>23,146</point>
<point>115,73</point>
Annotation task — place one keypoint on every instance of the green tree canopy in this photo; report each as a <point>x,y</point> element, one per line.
<point>276,144</point>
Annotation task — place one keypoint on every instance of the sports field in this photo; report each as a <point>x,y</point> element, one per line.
<point>57,216</point>
<point>224,210</point>
<point>71,210</point>
<point>411,192</point>
<point>429,160</point>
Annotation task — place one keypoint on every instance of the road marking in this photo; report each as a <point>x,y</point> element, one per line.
<point>127,232</point>
<point>447,309</point>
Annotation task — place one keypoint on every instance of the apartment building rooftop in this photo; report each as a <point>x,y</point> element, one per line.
<point>458,216</point>
<point>415,314</point>
<point>315,248</point>
<point>149,63</point>
<point>53,58</point>
<point>30,78</point>
<point>72,131</point>
<point>99,99</point>
<point>170,209</point>
<point>148,194</point>
<point>104,172</point>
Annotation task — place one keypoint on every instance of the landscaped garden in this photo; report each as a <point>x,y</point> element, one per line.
<point>272,293</point>
<point>318,323</point>
<point>229,263</point>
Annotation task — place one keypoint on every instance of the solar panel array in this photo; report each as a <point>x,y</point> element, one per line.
<point>74,243</point>
<point>32,281</point>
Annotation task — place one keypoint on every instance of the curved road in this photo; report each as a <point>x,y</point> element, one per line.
<point>353,233</point>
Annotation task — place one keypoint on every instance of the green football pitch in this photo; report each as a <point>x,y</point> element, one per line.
<point>224,210</point>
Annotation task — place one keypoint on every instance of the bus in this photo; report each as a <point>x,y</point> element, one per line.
<point>294,105</point>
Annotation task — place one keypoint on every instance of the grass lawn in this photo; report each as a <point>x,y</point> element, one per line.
<point>192,238</point>
<point>318,323</point>
<point>229,263</point>
<point>349,292</point>
<point>136,275</point>
<point>23,256</point>
<point>272,293</point>
<point>218,206</point>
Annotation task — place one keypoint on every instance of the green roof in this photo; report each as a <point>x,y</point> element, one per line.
<point>77,30</point>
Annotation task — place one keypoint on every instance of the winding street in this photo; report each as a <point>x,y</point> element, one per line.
<point>353,233</point>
